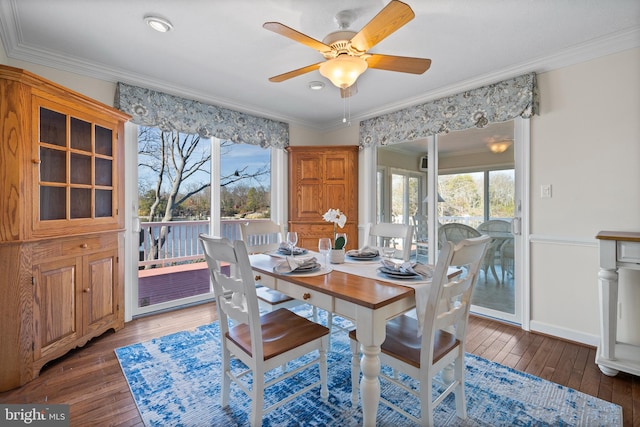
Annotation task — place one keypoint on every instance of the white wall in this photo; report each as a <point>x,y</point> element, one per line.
<point>585,143</point>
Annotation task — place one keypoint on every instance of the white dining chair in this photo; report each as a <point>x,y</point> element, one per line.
<point>379,235</point>
<point>423,352</point>
<point>262,237</point>
<point>261,342</point>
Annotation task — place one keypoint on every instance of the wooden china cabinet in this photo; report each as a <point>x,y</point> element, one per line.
<point>61,227</point>
<point>322,178</point>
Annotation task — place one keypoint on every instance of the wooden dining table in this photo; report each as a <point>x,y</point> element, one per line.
<point>367,301</point>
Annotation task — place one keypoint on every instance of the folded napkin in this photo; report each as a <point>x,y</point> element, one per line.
<point>286,249</point>
<point>363,252</point>
<point>291,264</point>
<point>426,271</point>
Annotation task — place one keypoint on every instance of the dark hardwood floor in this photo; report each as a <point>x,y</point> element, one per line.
<point>90,380</point>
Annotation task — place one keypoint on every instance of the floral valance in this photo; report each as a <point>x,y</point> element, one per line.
<point>493,103</point>
<point>168,112</point>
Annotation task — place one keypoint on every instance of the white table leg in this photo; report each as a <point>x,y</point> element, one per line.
<point>370,384</point>
<point>371,326</point>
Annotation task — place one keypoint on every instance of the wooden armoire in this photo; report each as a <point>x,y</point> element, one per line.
<point>322,178</point>
<point>61,222</point>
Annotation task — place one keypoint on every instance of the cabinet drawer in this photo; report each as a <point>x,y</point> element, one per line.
<point>82,245</point>
<point>307,295</point>
<point>628,251</point>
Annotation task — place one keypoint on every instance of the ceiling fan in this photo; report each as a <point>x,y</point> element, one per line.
<point>345,51</point>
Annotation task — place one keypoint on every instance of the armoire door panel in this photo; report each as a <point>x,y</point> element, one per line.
<point>310,201</point>
<point>310,169</point>
<point>336,197</point>
<point>336,169</point>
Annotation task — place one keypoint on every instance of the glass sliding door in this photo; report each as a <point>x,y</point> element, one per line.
<point>187,186</point>
<point>474,178</point>
<point>478,187</point>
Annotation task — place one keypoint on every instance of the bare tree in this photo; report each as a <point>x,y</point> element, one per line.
<point>174,158</point>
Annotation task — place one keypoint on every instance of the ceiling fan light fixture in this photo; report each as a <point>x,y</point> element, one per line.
<point>344,70</point>
<point>500,146</point>
<point>159,24</point>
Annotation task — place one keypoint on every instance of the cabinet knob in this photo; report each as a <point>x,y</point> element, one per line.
<point>306,296</point>
<point>86,290</point>
<point>36,161</point>
<point>84,246</point>
<point>257,278</point>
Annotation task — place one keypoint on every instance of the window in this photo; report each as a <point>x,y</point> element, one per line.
<point>474,197</point>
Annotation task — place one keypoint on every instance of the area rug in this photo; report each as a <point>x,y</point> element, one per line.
<point>175,381</point>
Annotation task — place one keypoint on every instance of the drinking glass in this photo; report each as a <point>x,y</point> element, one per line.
<point>292,240</point>
<point>324,247</point>
<point>389,249</point>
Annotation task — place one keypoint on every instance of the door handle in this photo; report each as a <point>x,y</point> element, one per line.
<point>516,226</point>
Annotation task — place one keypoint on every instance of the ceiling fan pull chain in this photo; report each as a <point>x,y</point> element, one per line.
<point>344,110</point>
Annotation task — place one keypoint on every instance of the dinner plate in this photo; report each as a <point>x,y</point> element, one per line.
<point>284,269</point>
<point>296,251</point>
<point>398,274</point>
<point>364,258</point>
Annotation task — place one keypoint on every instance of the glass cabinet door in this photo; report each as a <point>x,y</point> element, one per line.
<point>76,167</point>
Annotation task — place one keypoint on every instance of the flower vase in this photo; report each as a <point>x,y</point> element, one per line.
<point>336,256</point>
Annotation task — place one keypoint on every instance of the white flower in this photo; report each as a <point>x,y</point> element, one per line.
<point>336,217</point>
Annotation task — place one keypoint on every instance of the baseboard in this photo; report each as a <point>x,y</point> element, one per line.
<point>565,334</point>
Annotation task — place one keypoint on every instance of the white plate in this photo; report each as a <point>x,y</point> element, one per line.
<point>364,258</point>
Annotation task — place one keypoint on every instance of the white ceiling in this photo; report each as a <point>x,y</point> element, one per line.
<point>219,53</point>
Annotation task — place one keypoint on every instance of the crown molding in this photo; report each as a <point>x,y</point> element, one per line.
<point>586,51</point>
<point>16,49</point>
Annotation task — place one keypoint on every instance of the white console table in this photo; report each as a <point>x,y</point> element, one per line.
<point>618,249</point>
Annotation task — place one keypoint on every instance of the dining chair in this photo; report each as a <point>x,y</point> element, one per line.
<point>266,236</point>
<point>456,232</point>
<point>379,235</point>
<point>494,228</point>
<point>421,353</point>
<point>261,342</point>
<point>421,237</point>
<point>507,258</point>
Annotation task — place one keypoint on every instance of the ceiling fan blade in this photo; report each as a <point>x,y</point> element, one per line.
<point>297,36</point>
<point>349,91</point>
<point>294,73</point>
<point>388,20</point>
<point>404,64</point>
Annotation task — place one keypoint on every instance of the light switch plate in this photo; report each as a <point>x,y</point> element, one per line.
<point>545,191</point>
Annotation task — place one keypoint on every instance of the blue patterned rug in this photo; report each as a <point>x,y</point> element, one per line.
<point>175,381</point>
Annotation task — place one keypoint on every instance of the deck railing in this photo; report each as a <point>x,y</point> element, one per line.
<point>181,242</point>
